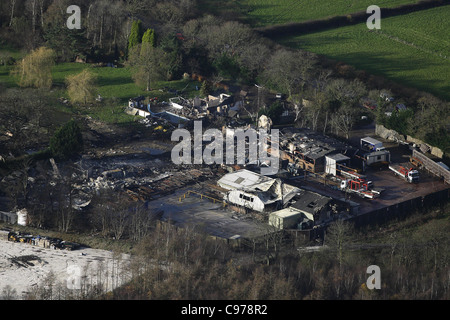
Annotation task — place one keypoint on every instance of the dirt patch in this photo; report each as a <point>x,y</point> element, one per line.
<point>24,266</point>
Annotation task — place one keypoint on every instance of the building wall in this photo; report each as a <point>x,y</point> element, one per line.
<point>246,200</point>
<point>330,166</point>
<point>285,222</point>
<point>8,217</point>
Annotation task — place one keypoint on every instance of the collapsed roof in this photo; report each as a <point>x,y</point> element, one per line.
<point>310,143</point>
<point>267,189</point>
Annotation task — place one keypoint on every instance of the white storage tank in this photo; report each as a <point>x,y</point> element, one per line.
<point>22,217</point>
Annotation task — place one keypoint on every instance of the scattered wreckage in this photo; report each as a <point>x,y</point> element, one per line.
<point>42,241</point>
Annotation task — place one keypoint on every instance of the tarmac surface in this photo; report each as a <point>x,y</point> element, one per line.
<point>213,218</point>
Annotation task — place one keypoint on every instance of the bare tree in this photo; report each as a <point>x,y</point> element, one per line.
<point>32,7</point>
<point>140,222</point>
<point>288,71</point>
<point>8,293</point>
<point>337,238</point>
<point>12,7</point>
<point>63,194</point>
<point>35,70</point>
<point>343,120</point>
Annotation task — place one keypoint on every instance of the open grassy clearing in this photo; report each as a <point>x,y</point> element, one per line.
<point>115,85</point>
<point>412,49</point>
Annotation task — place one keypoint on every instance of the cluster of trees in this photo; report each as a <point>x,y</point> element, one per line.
<point>426,120</point>
<point>105,29</point>
<point>35,70</point>
<point>166,39</point>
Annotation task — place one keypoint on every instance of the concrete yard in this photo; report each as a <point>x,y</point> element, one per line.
<point>204,213</point>
<point>396,190</point>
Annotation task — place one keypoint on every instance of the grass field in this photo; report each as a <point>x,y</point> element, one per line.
<point>114,84</point>
<point>412,49</point>
<point>261,13</point>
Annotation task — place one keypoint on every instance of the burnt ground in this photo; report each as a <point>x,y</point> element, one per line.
<point>224,223</point>
<point>151,176</point>
<point>110,139</point>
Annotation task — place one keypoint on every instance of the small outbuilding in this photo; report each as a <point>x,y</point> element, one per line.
<point>289,218</point>
<point>332,163</point>
<point>371,144</point>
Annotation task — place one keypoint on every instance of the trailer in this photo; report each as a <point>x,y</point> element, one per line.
<point>377,158</point>
<point>361,187</point>
<point>409,174</point>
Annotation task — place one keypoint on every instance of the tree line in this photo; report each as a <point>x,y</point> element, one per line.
<point>163,40</point>
<point>171,263</point>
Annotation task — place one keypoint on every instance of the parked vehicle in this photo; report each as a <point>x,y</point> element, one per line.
<point>361,187</point>
<point>409,174</point>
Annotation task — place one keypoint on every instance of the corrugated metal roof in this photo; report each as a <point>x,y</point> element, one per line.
<point>371,140</point>
<point>338,157</point>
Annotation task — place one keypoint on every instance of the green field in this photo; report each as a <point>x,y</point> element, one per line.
<point>412,49</point>
<point>261,13</point>
<point>114,84</point>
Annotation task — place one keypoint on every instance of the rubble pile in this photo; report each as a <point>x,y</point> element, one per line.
<point>142,177</point>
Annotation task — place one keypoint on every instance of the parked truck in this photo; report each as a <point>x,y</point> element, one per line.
<point>409,174</point>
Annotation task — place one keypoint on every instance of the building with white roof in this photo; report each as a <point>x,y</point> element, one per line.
<point>255,191</point>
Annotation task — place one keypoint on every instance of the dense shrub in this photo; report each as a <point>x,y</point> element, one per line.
<point>67,141</point>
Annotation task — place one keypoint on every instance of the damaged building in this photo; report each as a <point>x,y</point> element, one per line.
<point>308,209</point>
<point>180,111</point>
<point>286,206</point>
<point>307,149</point>
<point>256,192</point>
<point>318,208</point>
